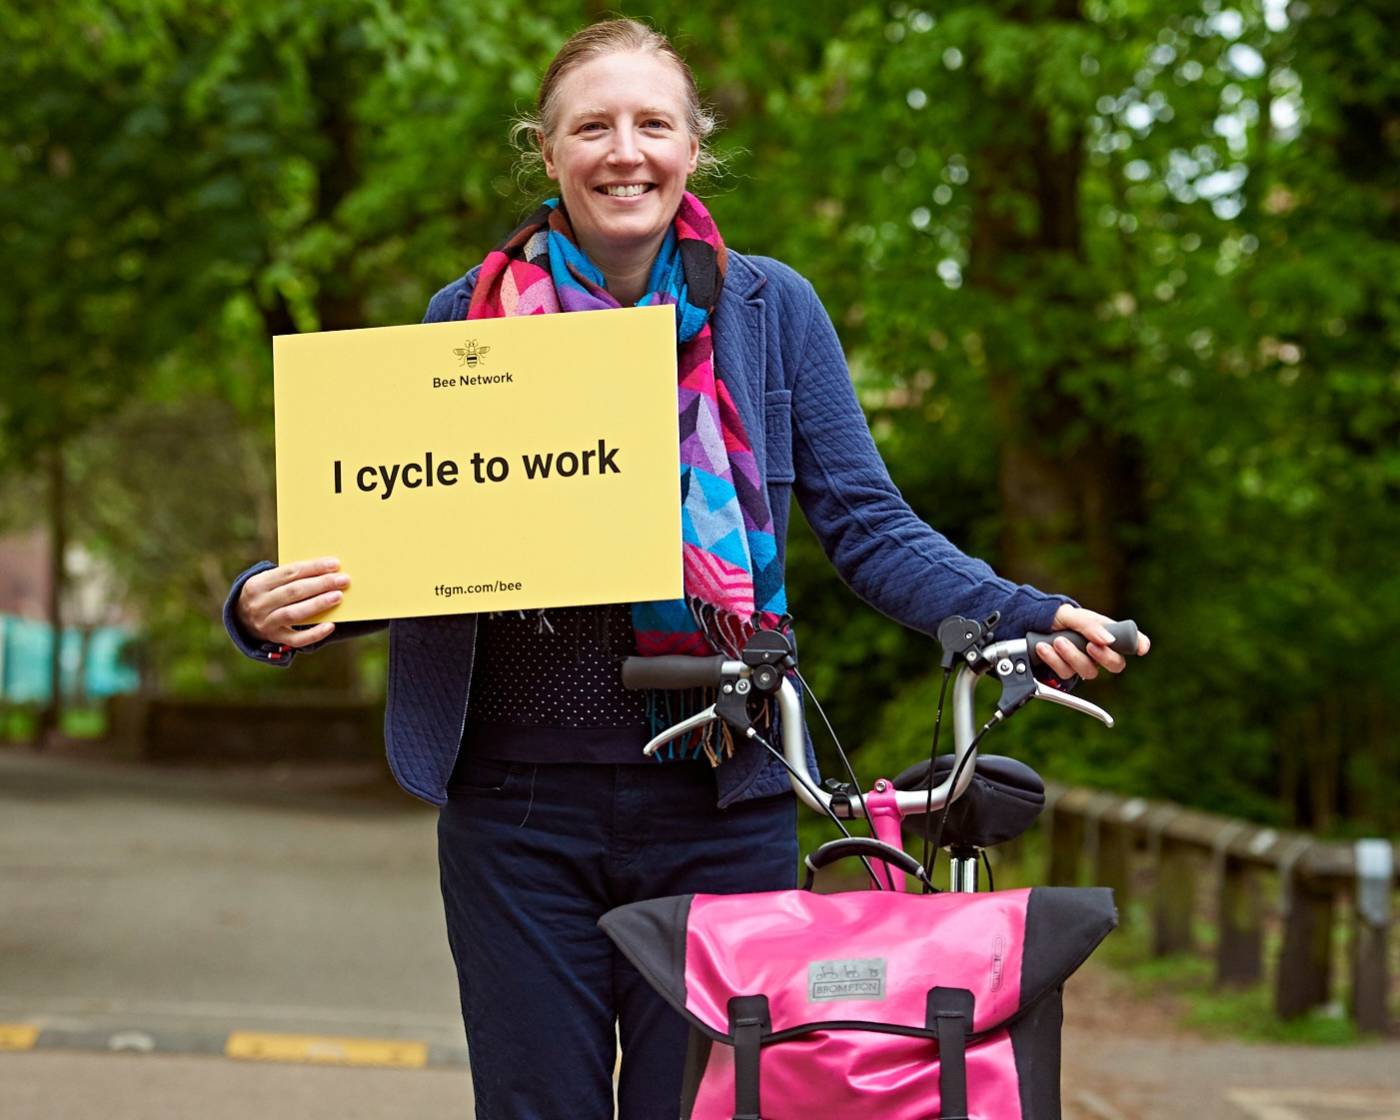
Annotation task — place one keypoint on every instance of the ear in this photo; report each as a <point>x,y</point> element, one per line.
<point>694,156</point>
<point>545,153</point>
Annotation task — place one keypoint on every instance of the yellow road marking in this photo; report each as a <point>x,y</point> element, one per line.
<point>326,1050</point>
<point>17,1036</point>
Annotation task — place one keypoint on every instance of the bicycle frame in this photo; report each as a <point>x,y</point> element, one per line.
<point>886,807</point>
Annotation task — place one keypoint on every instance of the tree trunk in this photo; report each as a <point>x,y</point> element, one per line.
<point>1067,483</point>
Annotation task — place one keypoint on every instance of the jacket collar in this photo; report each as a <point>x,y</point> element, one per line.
<point>743,277</point>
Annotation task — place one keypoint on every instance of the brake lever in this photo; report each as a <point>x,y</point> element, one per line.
<point>1019,685</point>
<point>1057,696</point>
<point>676,731</point>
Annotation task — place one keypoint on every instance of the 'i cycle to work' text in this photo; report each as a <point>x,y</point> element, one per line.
<point>387,479</point>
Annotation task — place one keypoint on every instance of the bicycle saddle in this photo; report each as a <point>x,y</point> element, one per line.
<point>1003,799</point>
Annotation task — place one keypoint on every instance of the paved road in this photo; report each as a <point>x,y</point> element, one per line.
<point>1126,1059</point>
<point>155,911</point>
<point>50,1085</point>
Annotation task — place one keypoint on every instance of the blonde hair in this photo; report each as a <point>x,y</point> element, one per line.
<point>530,131</point>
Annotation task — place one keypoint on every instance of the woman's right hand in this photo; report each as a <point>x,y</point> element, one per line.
<point>273,602</point>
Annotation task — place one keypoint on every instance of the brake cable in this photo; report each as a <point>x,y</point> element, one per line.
<point>805,779</point>
<point>943,812</point>
<point>840,750</point>
<point>932,758</point>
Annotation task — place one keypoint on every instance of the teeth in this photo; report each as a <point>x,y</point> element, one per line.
<point>626,192</point>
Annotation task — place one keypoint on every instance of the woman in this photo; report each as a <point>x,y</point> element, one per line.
<point>549,815</point>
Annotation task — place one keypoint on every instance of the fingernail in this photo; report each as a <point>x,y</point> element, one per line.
<point>1105,637</point>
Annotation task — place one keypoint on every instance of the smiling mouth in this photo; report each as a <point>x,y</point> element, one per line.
<point>625,190</point>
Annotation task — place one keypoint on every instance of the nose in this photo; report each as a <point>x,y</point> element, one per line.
<point>625,151</point>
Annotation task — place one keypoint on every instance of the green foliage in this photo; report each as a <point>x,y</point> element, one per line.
<point>1117,281</point>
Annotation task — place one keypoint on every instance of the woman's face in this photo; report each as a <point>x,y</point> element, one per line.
<point>621,151</point>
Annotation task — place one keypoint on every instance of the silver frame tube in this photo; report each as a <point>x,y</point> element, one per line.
<point>909,801</point>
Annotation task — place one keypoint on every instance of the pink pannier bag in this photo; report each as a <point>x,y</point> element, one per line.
<point>883,1004</point>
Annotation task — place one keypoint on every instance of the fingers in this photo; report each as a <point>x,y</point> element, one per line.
<point>291,595</point>
<point>1051,659</point>
<point>299,639</point>
<point>1110,660</point>
<point>304,609</point>
<point>1065,659</point>
<point>1087,663</point>
<point>1079,662</point>
<point>273,578</point>
<point>275,601</point>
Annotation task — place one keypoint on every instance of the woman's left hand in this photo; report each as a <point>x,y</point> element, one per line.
<point>1065,660</point>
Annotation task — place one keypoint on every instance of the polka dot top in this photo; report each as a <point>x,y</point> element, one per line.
<point>548,687</point>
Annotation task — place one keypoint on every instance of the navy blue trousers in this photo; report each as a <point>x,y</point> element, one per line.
<point>531,856</point>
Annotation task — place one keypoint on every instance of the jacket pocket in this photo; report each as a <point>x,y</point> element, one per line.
<point>777,435</point>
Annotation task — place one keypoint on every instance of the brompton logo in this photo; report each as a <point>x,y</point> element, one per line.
<point>861,978</point>
<point>471,354</point>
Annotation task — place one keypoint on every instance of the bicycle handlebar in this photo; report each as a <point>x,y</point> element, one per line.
<point>1125,639</point>
<point>1003,658</point>
<point>675,671</point>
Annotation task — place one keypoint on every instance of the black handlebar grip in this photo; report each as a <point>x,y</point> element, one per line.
<point>674,670</point>
<point>848,846</point>
<point>1125,638</point>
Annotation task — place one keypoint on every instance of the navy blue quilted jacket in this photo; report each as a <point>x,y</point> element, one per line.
<point>779,354</point>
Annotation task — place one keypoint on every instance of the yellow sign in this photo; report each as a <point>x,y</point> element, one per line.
<point>484,465</point>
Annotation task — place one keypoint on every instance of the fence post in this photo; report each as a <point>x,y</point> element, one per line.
<point>1175,890</point>
<point>1009,855</point>
<point>1305,965</point>
<point>1111,862</point>
<point>1066,842</point>
<point>1370,973</point>
<point>1239,959</point>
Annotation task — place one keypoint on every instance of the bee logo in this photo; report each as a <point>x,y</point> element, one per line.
<point>471,354</point>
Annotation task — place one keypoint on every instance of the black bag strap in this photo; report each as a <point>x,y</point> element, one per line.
<point>749,1021</point>
<point>950,1019</point>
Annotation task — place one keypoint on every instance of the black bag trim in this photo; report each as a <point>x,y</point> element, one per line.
<point>749,1021</point>
<point>1035,1043</point>
<point>949,1015</point>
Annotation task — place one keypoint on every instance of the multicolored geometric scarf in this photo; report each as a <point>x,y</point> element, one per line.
<point>733,582</point>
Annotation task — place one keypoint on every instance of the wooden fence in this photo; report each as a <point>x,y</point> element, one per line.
<point>1194,857</point>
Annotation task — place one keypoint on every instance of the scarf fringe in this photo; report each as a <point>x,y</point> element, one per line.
<point>726,631</point>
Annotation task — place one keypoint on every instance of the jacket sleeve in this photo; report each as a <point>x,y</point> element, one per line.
<point>271,653</point>
<point>889,557</point>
